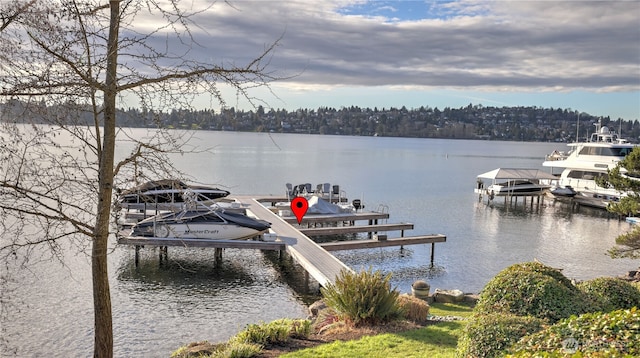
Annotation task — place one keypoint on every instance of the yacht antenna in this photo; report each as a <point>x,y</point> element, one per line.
<point>620,128</point>
<point>578,129</point>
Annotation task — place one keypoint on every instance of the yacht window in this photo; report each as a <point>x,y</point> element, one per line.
<point>605,151</point>
<point>581,174</point>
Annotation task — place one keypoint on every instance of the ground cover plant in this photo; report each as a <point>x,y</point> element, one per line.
<point>250,341</point>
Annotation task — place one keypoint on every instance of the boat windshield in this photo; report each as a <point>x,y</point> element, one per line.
<point>208,217</point>
<point>606,151</point>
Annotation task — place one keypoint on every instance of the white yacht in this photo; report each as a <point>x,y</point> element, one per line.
<point>588,160</point>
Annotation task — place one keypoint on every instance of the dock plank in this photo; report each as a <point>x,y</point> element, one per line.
<point>338,230</point>
<point>367,244</point>
<point>332,218</point>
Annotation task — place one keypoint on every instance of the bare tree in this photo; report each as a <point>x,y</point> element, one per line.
<point>64,65</point>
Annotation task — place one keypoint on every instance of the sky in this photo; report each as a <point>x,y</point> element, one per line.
<point>578,55</point>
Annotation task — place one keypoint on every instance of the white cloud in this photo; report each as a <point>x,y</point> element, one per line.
<point>504,45</point>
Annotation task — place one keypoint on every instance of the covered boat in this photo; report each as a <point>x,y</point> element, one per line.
<point>169,194</point>
<point>214,224</point>
<point>512,181</point>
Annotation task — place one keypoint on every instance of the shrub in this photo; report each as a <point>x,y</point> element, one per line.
<point>532,289</point>
<point>326,319</point>
<point>300,328</point>
<point>414,309</point>
<point>274,332</point>
<point>535,266</point>
<point>235,349</point>
<point>611,293</point>
<point>487,335</point>
<point>613,334</point>
<point>231,349</point>
<point>364,298</point>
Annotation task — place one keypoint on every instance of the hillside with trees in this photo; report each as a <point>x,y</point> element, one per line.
<point>532,124</point>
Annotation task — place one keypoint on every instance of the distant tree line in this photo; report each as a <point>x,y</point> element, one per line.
<point>471,122</point>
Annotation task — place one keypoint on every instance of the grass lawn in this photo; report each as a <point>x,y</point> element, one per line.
<point>437,340</point>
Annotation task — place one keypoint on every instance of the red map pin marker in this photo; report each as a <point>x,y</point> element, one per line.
<point>299,206</point>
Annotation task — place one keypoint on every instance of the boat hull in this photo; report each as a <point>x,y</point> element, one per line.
<point>563,192</point>
<point>521,188</point>
<point>205,231</point>
<point>211,224</point>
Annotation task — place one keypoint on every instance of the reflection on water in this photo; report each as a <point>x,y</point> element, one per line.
<point>392,260</point>
<point>190,297</point>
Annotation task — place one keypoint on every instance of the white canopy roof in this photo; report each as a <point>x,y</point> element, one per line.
<point>512,173</point>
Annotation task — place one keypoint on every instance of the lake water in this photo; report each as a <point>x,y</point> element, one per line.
<point>47,308</point>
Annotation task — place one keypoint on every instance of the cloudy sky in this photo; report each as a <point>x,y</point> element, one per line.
<point>582,55</point>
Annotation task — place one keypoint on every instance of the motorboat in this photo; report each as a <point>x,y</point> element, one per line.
<point>517,187</point>
<point>168,194</point>
<point>213,224</point>
<point>563,192</point>
<point>587,161</point>
<point>514,182</point>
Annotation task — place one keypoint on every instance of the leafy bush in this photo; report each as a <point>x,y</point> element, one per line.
<point>231,349</point>
<point>278,331</point>
<point>300,328</point>
<point>235,349</point>
<point>364,298</point>
<point>414,309</point>
<point>611,293</point>
<point>532,289</point>
<point>535,266</point>
<point>613,334</point>
<point>326,319</point>
<point>487,335</point>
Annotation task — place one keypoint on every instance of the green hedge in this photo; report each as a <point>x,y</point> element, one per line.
<point>533,289</point>
<point>613,334</point>
<point>488,335</point>
<point>611,293</point>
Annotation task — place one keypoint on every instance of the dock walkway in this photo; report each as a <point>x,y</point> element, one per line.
<point>318,262</point>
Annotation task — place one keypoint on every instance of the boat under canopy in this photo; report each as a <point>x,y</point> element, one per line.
<point>515,181</point>
<point>513,173</point>
<point>168,194</point>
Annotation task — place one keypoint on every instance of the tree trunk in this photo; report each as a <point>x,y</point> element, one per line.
<point>103,344</point>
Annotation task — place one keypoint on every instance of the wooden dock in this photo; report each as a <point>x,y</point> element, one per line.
<point>318,262</point>
<point>315,258</point>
